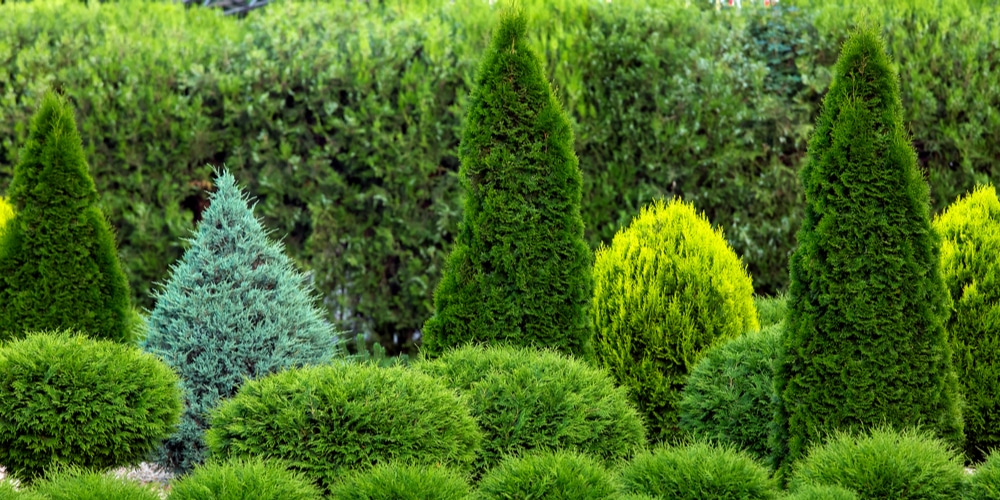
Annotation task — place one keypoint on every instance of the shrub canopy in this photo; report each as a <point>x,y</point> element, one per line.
<point>243,479</point>
<point>81,484</point>
<point>554,475</point>
<point>397,481</point>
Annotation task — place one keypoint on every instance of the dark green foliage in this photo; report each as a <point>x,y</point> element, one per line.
<point>81,484</point>
<point>668,288</point>
<point>884,464</point>
<point>985,483</point>
<point>395,481</point>
<point>729,394</point>
<point>520,269</point>
<point>234,308</point>
<point>327,420</point>
<point>71,400</point>
<point>525,400</point>
<point>865,341</point>
<point>970,252</point>
<point>555,475</point>
<point>771,310</point>
<point>238,479</point>
<point>824,492</point>
<point>59,267</point>
<point>696,472</point>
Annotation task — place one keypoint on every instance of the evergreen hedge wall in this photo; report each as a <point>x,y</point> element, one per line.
<point>344,119</point>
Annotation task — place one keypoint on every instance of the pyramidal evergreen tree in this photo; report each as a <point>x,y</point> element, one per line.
<point>520,270</point>
<point>59,267</point>
<point>865,343</point>
<point>234,308</point>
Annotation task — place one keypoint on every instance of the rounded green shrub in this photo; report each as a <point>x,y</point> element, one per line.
<point>71,400</point>
<point>327,420</point>
<point>667,288</point>
<point>238,479</point>
<point>884,464</point>
<point>729,394</point>
<point>970,253</point>
<point>985,483</point>
<point>396,481</point>
<point>822,492</point>
<point>80,484</point>
<point>557,475</point>
<point>526,399</point>
<point>696,472</point>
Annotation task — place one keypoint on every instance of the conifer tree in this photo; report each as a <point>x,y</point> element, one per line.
<point>865,343</point>
<point>520,270</point>
<point>59,267</point>
<point>234,308</point>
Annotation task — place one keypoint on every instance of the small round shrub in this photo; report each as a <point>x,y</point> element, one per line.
<point>71,400</point>
<point>885,464</point>
<point>396,481</point>
<point>985,484</point>
<point>81,484</point>
<point>325,420</point>
<point>698,471</point>
<point>667,288</point>
<point>771,310</point>
<point>825,492</point>
<point>558,475</point>
<point>237,479</point>
<point>526,399</point>
<point>728,396</point>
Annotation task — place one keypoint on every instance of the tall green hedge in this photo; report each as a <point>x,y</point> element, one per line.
<point>344,119</point>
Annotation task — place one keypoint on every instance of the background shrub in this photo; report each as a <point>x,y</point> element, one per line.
<point>529,400</point>
<point>728,396</point>
<point>556,475</point>
<point>396,481</point>
<point>698,471</point>
<point>59,266</point>
<point>771,310</point>
<point>327,420</point>
<point>970,251</point>
<point>74,401</point>
<point>235,308</point>
<point>667,288</point>
<point>884,464</point>
<point>81,484</point>
<point>985,483</point>
<point>823,492</point>
<point>238,479</point>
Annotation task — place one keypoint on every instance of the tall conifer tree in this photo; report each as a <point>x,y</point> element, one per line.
<point>520,270</point>
<point>59,266</point>
<point>865,342</point>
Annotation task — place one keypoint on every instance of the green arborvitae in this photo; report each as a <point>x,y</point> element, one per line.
<point>235,308</point>
<point>59,267</point>
<point>865,342</point>
<point>520,269</point>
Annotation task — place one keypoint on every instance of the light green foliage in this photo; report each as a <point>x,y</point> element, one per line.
<point>234,308</point>
<point>667,288</point>
<point>520,269</point>
<point>985,483</point>
<point>396,481</point>
<point>238,479</point>
<point>970,265</point>
<point>9,492</point>
<point>6,212</point>
<point>527,400</point>
<point>59,266</point>
<point>327,420</point>
<point>865,340</point>
<point>81,484</point>
<point>554,475</point>
<point>884,464</point>
<point>822,492</point>
<point>696,472</point>
<point>728,397</point>
<point>772,310</point>
<point>71,400</point>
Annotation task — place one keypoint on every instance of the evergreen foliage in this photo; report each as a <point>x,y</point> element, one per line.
<point>396,481</point>
<point>985,484</point>
<point>237,479</point>
<point>6,212</point>
<point>697,472</point>
<point>80,484</point>
<point>59,267</point>
<point>327,420</point>
<point>970,265</point>
<point>520,269</point>
<point>814,492</point>
<point>552,475</point>
<point>234,308</point>
<point>667,288</point>
<point>529,400</point>
<point>865,339</point>
<point>71,400</point>
<point>728,397</point>
<point>772,310</point>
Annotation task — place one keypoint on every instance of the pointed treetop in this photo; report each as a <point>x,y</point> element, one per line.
<point>864,72</point>
<point>513,27</point>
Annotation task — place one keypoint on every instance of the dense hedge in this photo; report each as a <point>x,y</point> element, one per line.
<point>344,121</point>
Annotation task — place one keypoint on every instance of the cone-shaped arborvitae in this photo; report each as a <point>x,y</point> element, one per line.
<point>235,308</point>
<point>520,270</point>
<point>865,343</point>
<point>59,267</point>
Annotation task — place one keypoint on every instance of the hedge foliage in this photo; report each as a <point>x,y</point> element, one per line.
<point>398,481</point>
<point>555,475</point>
<point>81,484</point>
<point>243,479</point>
<point>345,120</point>
<point>825,492</point>
<point>985,483</point>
